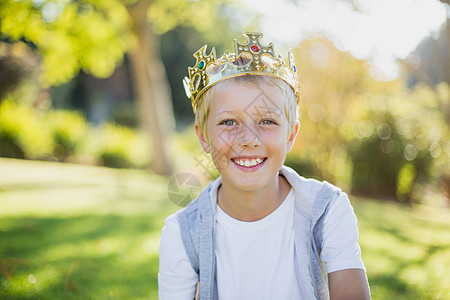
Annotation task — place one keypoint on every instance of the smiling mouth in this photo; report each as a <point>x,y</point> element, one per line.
<point>248,163</point>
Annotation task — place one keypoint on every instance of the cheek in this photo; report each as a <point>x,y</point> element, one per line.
<point>275,140</point>
<point>225,136</point>
<point>272,134</point>
<point>229,136</point>
<point>220,142</point>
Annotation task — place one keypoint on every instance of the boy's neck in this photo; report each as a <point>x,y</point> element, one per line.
<point>254,205</point>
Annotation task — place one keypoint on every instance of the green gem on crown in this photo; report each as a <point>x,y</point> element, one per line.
<point>201,65</point>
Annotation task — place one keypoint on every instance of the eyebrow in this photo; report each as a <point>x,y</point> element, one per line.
<point>262,110</point>
<point>226,112</point>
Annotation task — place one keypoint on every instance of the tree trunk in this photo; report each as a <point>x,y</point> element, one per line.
<point>151,87</point>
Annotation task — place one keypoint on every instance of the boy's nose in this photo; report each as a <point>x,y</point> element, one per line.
<point>249,139</point>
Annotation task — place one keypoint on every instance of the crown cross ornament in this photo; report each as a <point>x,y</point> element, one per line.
<point>252,58</point>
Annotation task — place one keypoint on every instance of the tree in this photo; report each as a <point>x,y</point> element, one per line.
<point>368,136</point>
<point>151,83</point>
<point>430,63</point>
<point>93,36</point>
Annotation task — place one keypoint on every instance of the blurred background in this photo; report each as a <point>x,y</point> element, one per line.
<point>94,122</point>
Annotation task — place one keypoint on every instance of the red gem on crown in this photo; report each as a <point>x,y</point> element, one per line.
<point>255,48</point>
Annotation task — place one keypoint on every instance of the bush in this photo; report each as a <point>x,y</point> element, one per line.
<point>303,165</point>
<point>23,133</point>
<point>393,142</point>
<point>120,147</point>
<point>60,135</point>
<point>69,130</point>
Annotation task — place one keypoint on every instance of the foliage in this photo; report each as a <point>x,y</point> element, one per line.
<point>69,130</point>
<point>80,232</point>
<point>121,147</point>
<point>33,134</point>
<point>214,21</point>
<point>330,81</point>
<point>365,134</point>
<point>405,181</point>
<point>23,133</point>
<point>166,15</point>
<point>303,164</point>
<point>65,135</point>
<point>394,135</point>
<point>92,35</point>
<point>19,74</point>
<point>429,61</point>
<point>69,35</point>
<point>11,73</point>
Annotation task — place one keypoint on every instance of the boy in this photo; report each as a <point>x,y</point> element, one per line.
<point>260,231</point>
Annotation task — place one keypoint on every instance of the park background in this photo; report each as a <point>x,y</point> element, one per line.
<point>97,145</point>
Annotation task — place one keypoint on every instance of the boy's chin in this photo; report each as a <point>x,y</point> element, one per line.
<point>249,185</point>
<point>248,181</point>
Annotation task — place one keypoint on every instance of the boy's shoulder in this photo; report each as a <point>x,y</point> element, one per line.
<point>312,196</point>
<point>306,187</point>
<point>201,208</point>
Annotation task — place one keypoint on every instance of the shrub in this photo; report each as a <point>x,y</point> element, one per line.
<point>69,129</point>
<point>121,147</point>
<point>23,133</point>
<point>303,165</point>
<point>393,142</point>
<point>30,134</point>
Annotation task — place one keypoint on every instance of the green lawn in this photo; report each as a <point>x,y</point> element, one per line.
<point>78,232</point>
<point>406,250</point>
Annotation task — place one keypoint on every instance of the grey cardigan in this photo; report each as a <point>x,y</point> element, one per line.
<point>197,226</point>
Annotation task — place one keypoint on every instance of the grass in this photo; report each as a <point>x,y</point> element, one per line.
<point>406,250</point>
<point>79,232</point>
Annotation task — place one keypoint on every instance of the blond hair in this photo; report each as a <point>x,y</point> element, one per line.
<point>282,89</point>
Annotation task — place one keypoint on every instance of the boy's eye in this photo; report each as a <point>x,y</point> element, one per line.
<point>228,122</point>
<point>268,122</point>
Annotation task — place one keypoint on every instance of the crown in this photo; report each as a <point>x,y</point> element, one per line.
<point>250,58</point>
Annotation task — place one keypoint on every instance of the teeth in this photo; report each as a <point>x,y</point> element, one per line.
<point>249,163</point>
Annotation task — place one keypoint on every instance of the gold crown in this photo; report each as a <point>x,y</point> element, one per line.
<point>249,58</point>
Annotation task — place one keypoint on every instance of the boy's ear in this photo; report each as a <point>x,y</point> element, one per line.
<point>202,139</point>
<point>293,135</point>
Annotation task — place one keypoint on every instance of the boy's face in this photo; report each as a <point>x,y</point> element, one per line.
<point>248,134</point>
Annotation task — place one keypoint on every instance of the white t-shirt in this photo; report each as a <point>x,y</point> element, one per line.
<point>256,260</point>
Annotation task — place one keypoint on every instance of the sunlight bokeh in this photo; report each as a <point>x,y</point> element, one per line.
<point>379,31</point>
